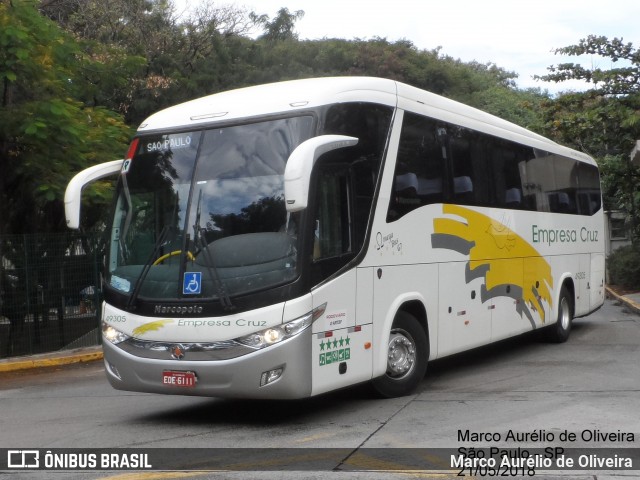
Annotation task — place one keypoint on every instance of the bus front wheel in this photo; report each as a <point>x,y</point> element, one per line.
<point>559,332</point>
<point>407,356</point>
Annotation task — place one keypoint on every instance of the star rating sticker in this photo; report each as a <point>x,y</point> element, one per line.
<point>335,343</point>
<point>341,341</point>
<point>347,340</point>
<point>322,345</point>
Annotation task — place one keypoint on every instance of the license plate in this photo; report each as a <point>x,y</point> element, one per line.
<point>179,379</point>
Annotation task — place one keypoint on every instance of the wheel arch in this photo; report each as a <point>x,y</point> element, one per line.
<point>560,329</point>
<point>413,304</point>
<point>417,309</point>
<point>566,281</point>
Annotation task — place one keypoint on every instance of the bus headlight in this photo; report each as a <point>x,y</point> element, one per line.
<point>277,334</point>
<point>113,335</point>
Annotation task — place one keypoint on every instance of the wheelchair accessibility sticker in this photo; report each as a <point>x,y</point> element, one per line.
<point>192,284</point>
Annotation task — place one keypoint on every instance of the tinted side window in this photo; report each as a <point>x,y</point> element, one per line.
<point>470,170</point>
<point>420,174</point>
<point>589,196</point>
<point>439,162</point>
<point>508,166</point>
<point>562,185</point>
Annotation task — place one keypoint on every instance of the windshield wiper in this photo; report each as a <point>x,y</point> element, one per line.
<point>201,243</point>
<point>147,266</point>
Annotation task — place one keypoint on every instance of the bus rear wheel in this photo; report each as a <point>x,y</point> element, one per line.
<point>559,332</point>
<point>407,356</point>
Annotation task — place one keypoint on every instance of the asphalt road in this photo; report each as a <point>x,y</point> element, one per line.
<point>589,386</point>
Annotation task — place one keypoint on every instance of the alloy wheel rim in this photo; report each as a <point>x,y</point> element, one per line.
<point>564,314</point>
<point>401,358</point>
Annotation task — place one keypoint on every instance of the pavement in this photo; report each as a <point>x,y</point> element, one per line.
<point>92,354</point>
<point>631,300</point>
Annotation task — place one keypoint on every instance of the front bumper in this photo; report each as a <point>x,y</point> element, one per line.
<point>233,378</point>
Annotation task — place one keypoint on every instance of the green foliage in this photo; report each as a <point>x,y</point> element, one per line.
<point>521,107</point>
<point>603,121</point>
<point>209,51</point>
<point>281,27</point>
<point>593,123</point>
<point>73,71</point>
<point>624,267</point>
<point>622,80</point>
<point>46,133</point>
<point>620,187</point>
<point>238,61</point>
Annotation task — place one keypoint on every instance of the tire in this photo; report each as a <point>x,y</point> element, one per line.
<point>407,357</point>
<point>559,331</point>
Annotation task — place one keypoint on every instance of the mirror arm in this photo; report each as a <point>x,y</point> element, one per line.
<point>73,193</point>
<point>297,173</point>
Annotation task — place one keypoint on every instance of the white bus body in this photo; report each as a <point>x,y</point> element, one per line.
<point>285,240</point>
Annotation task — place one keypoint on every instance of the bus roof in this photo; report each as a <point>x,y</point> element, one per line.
<point>273,98</point>
<point>300,95</point>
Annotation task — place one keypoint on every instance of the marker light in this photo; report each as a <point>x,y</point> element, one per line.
<point>277,334</point>
<point>133,147</point>
<point>113,335</point>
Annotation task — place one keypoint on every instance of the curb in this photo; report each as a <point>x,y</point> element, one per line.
<point>55,359</point>
<point>621,298</point>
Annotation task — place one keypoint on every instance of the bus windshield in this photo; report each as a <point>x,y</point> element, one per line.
<point>201,214</point>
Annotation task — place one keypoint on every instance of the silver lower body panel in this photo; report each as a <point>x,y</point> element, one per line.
<point>233,378</point>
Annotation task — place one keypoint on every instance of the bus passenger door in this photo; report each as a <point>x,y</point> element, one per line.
<point>336,362</point>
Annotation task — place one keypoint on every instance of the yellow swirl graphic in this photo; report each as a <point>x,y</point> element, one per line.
<point>150,327</point>
<point>488,242</point>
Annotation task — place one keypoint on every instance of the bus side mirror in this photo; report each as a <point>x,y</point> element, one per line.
<point>297,173</point>
<point>73,193</point>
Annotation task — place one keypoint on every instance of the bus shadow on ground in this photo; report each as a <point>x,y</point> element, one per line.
<point>265,412</point>
<point>298,413</point>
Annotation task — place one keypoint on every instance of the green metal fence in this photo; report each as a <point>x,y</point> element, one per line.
<point>49,292</point>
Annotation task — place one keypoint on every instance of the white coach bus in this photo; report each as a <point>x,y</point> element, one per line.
<point>285,240</point>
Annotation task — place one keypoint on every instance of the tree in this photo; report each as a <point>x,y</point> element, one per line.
<point>603,121</point>
<point>132,40</point>
<point>141,57</point>
<point>281,27</point>
<point>606,118</point>
<point>622,80</point>
<point>155,55</point>
<point>46,133</point>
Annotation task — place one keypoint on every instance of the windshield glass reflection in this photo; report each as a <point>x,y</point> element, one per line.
<point>216,218</point>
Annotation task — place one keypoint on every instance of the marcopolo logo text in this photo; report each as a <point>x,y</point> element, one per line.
<point>177,309</point>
